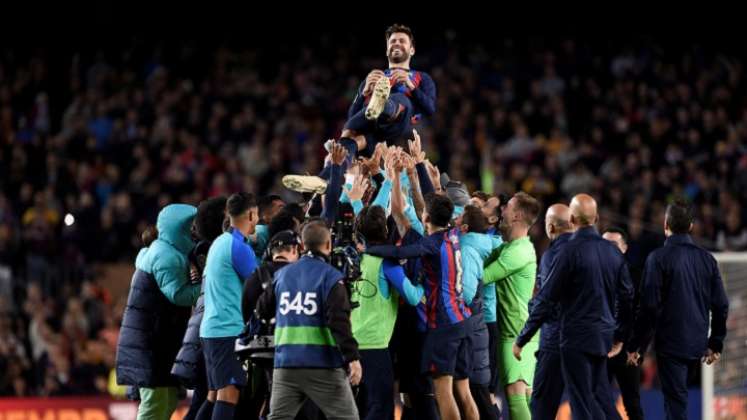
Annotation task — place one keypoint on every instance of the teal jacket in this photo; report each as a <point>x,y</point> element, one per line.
<point>475,248</point>
<point>166,258</point>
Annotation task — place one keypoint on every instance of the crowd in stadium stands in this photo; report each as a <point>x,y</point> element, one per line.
<point>91,147</point>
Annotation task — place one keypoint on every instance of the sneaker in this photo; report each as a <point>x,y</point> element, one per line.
<point>378,99</point>
<point>305,183</point>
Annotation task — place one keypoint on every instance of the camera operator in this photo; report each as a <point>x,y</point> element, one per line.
<point>373,321</point>
<point>313,337</point>
<point>283,248</point>
<point>189,365</point>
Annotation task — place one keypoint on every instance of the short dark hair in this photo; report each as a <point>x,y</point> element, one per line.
<point>284,220</point>
<point>679,216</point>
<point>474,219</point>
<point>528,206</point>
<point>398,28</point>
<point>265,203</point>
<point>620,231</point>
<point>315,234</point>
<point>439,208</point>
<point>239,203</point>
<point>482,195</point>
<point>371,224</point>
<point>209,219</point>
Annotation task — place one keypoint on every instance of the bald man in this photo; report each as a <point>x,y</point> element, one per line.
<point>589,279</point>
<point>547,388</point>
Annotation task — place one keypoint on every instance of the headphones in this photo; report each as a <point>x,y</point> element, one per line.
<point>281,239</point>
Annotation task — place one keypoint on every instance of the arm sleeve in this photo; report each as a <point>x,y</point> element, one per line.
<point>382,198</point>
<point>471,274</point>
<point>415,223</point>
<point>332,194</point>
<point>250,295</point>
<point>358,102</point>
<point>379,181</point>
<point>624,304</point>
<point>395,275</point>
<point>420,249</point>
<point>541,311</point>
<point>719,311</point>
<point>243,259</point>
<point>425,95</point>
<point>426,186</point>
<point>506,264</point>
<point>266,303</point>
<point>338,321</point>
<point>557,278</point>
<point>357,206</point>
<point>650,302</point>
<point>173,280</point>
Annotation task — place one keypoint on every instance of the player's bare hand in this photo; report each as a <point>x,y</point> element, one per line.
<point>416,147</point>
<point>339,153</point>
<point>401,76</point>
<point>517,351</point>
<point>360,185</point>
<point>356,372</point>
<point>616,349</point>
<point>710,357</point>
<point>634,358</point>
<point>371,80</point>
<point>435,175</point>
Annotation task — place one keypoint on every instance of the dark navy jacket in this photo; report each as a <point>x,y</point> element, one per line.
<point>590,280</point>
<point>681,288</point>
<point>542,313</point>
<point>189,365</point>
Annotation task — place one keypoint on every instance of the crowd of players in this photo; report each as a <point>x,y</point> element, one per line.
<point>445,303</point>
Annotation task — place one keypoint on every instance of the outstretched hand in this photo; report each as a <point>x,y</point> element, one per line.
<point>416,147</point>
<point>434,174</point>
<point>339,153</point>
<point>358,189</point>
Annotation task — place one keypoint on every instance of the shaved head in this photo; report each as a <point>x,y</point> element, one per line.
<point>557,220</point>
<point>583,210</point>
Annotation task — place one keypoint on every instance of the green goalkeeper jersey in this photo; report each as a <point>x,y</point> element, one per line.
<point>511,269</point>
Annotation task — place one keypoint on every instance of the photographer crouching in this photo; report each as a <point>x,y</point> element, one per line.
<point>313,337</point>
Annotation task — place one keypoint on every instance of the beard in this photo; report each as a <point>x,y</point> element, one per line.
<point>398,56</point>
<point>504,226</point>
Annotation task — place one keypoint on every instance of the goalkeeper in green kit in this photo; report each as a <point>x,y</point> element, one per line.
<point>511,269</point>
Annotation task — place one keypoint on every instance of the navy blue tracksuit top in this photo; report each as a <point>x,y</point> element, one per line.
<point>681,287</point>
<point>590,280</point>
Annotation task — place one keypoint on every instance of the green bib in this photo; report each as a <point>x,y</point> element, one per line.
<point>373,321</point>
